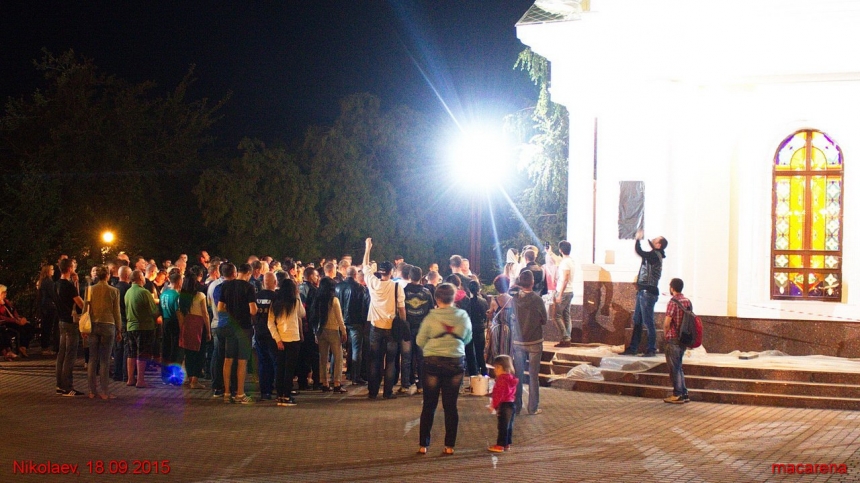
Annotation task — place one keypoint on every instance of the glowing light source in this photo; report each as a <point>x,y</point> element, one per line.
<point>481,157</point>
<point>108,237</point>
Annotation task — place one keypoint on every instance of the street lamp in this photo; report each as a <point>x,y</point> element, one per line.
<point>480,158</point>
<point>107,238</point>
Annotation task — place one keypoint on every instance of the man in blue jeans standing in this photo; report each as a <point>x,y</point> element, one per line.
<point>386,301</point>
<point>674,349</point>
<point>527,338</point>
<point>647,293</point>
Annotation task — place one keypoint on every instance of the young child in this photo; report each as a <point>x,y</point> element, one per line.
<point>504,393</point>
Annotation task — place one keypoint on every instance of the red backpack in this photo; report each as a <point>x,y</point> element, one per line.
<point>690,333</point>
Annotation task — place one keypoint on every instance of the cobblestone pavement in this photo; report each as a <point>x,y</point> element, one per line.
<point>580,437</point>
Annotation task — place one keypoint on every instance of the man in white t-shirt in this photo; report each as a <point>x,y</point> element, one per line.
<point>564,293</point>
<point>383,344</point>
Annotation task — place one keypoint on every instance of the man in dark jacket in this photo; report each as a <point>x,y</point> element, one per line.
<point>353,303</point>
<point>527,338</point>
<point>419,301</point>
<point>647,293</point>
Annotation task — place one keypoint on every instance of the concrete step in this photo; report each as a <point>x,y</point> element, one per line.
<point>711,395</point>
<point>756,386</point>
<point>782,375</point>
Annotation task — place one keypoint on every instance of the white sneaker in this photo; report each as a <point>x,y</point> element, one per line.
<point>412,390</point>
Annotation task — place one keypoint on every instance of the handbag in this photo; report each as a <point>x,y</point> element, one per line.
<point>191,331</point>
<point>85,323</point>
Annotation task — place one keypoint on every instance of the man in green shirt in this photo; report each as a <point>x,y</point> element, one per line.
<point>142,315</point>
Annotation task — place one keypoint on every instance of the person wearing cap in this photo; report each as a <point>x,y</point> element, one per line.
<point>386,300</point>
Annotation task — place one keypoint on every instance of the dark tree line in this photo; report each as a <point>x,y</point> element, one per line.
<point>88,151</point>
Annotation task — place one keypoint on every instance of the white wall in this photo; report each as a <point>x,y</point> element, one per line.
<point>699,122</point>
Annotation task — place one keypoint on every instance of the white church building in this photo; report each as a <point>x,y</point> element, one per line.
<point>731,128</point>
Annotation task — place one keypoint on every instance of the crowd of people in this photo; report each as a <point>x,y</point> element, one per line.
<point>299,327</point>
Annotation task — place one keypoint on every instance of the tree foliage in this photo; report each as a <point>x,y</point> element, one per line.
<point>259,203</point>
<point>364,176</point>
<point>90,151</point>
<point>545,129</point>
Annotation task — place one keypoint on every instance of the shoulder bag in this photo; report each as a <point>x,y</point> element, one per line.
<point>85,323</point>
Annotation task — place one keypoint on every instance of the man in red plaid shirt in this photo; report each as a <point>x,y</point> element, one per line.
<point>674,350</point>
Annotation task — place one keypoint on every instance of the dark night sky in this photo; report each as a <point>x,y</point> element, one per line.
<point>286,62</point>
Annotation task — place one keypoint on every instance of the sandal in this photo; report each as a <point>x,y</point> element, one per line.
<point>422,450</point>
<point>447,451</point>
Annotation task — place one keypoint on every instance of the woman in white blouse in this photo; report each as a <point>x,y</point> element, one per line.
<point>285,325</point>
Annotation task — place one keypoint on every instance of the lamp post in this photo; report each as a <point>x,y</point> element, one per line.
<point>480,160</point>
<point>107,238</point>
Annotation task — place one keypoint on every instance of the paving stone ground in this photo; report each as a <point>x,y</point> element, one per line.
<point>580,437</point>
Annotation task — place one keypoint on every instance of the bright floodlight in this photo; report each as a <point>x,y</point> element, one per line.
<point>107,237</point>
<point>480,158</point>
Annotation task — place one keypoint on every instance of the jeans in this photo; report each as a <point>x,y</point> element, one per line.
<point>471,359</point>
<point>406,377</point>
<point>194,361</point>
<point>218,352</point>
<point>69,339</point>
<point>417,358</point>
<point>50,336</point>
<point>120,370</point>
<point>358,345</point>
<point>329,341</point>
<point>266,359</point>
<point>533,352</point>
<point>479,339</point>
<point>383,348</point>
<point>171,354</point>
<point>287,360</point>
<point>309,356</point>
<point>101,343</point>
<point>441,374</point>
<point>674,359</point>
<point>562,315</point>
<point>644,314</point>
<point>506,413</point>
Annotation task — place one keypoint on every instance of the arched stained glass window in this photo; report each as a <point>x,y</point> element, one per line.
<point>806,252</point>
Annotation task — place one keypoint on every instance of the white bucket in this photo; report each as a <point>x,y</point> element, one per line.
<point>480,385</point>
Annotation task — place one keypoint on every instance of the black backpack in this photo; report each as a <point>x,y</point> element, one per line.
<point>690,332</point>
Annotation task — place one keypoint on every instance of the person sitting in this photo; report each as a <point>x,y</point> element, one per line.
<point>12,321</point>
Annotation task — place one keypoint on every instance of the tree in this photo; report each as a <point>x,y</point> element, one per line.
<point>373,172</point>
<point>90,151</point>
<point>260,203</point>
<point>545,129</point>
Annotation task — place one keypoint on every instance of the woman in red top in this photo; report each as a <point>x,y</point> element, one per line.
<point>504,393</point>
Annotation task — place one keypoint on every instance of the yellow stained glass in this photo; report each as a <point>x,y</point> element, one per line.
<point>798,160</point>
<point>797,214</point>
<point>788,149</point>
<point>817,160</point>
<point>818,192</point>
<point>816,261</point>
<point>807,217</point>
<point>828,149</point>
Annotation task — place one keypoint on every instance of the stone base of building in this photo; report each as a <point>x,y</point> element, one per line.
<point>607,313</point>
